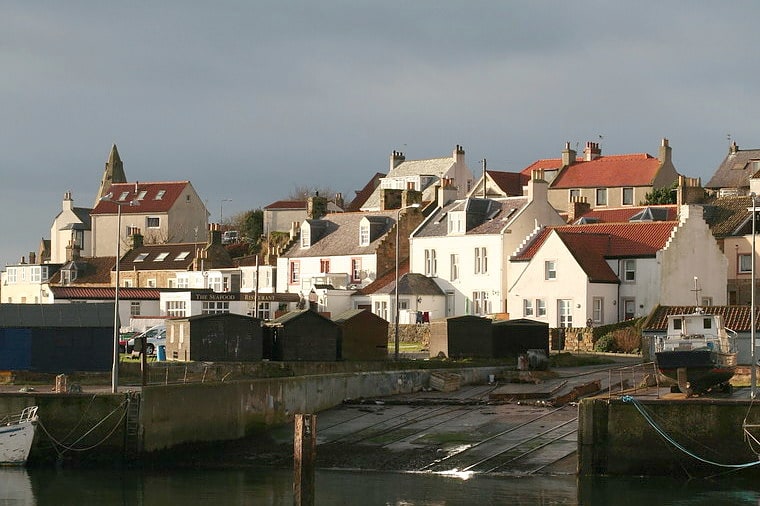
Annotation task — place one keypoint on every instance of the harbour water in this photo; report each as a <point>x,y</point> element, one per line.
<point>250,486</point>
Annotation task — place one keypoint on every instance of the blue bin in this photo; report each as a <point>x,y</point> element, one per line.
<point>161,353</point>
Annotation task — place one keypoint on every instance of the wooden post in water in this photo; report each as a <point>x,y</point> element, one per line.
<point>304,458</point>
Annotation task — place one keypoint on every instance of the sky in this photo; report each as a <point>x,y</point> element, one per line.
<point>250,100</point>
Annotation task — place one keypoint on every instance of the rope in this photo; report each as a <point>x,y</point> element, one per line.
<point>629,399</point>
<point>108,435</point>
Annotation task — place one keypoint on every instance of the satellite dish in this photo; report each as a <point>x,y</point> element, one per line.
<point>363,275</point>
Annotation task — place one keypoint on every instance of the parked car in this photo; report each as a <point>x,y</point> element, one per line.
<point>124,338</point>
<point>230,237</point>
<point>155,337</point>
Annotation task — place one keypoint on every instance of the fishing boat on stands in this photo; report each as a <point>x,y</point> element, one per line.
<point>16,436</point>
<point>698,352</point>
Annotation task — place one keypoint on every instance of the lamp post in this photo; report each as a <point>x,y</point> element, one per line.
<point>753,374</point>
<point>115,364</point>
<point>398,219</point>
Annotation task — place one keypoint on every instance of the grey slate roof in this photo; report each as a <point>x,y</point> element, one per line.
<point>430,167</point>
<point>413,284</point>
<point>341,235</point>
<point>728,216</point>
<point>495,216</point>
<point>735,170</point>
<point>57,315</point>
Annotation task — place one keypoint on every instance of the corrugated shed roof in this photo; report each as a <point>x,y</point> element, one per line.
<point>610,171</point>
<point>341,236</point>
<point>286,204</point>
<point>735,170</point>
<point>57,315</point>
<point>104,293</point>
<point>158,197</point>
<point>736,318</point>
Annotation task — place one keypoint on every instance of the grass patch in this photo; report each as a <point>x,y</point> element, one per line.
<point>577,360</point>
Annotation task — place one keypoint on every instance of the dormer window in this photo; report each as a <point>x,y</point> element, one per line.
<point>456,222</point>
<point>305,235</point>
<point>123,196</point>
<point>364,233</point>
<point>160,194</point>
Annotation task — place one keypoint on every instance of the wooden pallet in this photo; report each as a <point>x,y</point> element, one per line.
<point>445,381</point>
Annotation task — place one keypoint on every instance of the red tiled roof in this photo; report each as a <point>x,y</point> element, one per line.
<point>152,201</point>
<point>104,293</point>
<point>736,318</point>
<point>363,194</point>
<point>625,240</point>
<point>548,163</point>
<point>287,204</point>
<point>623,214</point>
<point>589,251</point>
<point>617,170</point>
<point>510,183</point>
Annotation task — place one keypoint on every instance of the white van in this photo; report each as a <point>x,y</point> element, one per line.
<point>156,336</point>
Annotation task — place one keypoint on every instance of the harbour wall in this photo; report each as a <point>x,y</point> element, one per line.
<point>101,427</point>
<point>615,438</point>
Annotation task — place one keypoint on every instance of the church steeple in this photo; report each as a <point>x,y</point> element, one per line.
<point>113,173</point>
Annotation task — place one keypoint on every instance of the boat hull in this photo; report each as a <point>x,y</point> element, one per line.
<point>703,368</point>
<point>16,442</point>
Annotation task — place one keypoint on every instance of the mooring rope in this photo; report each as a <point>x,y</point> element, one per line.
<point>109,434</point>
<point>630,399</point>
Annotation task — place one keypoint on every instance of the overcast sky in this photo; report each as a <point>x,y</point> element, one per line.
<point>249,99</point>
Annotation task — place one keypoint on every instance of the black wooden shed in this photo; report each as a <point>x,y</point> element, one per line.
<point>302,335</point>
<point>363,335</point>
<point>515,337</point>
<point>56,338</point>
<point>224,337</point>
<point>461,337</point>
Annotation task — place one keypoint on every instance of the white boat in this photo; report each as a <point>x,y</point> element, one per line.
<point>16,436</point>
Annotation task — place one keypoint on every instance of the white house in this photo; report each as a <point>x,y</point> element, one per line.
<point>603,273</point>
<point>71,228</point>
<point>464,245</point>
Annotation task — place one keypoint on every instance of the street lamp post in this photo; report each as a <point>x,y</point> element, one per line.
<point>396,336</point>
<point>221,210</point>
<point>115,364</point>
<point>753,374</point>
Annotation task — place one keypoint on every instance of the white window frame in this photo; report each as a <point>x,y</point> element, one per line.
<point>744,263</point>
<point>527,307</point>
<point>550,270</point>
<point>540,307</point>
<point>454,274</point>
<point>597,310</point>
<point>565,313</point>
<point>364,234</point>
<point>152,219</point>
<point>629,270</point>
<point>134,308</point>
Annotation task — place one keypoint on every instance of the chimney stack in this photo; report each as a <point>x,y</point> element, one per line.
<point>32,258</point>
<point>665,151</point>
<point>397,158</point>
<point>592,151</point>
<point>568,155</point>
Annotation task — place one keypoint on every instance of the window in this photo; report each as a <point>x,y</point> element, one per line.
<point>305,236</point>
<point>35,275</point>
<point>480,303</point>
<point>540,307</point>
<point>706,323</point>
<point>127,283</point>
<point>160,194</point>
<point>745,264</point>
<point>677,323</point>
<point>295,272</point>
<point>481,261</point>
<point>141,195</point>
<point>431,264</point>
<point>454,267</point>
<point>11,274</point>
<point>627,196</point>
<point>381,309</point>
<point>141,257</point>
<point>215,307</point>
<point>364,234</point>
<point>134,308</point>
<point>171,283</point>
<point>575,194</point>
<point>565,313</point>
<point>550,269</point>
<point>629,309</point>
<point>707,301</point>
<point>161,257</point>
<point>181,256</point>
<point>324,266</point>
<point>123,195</point>
<point>454,222</point>
<point>153,222</point>
<point>264,309</point>
<point>597,309</point>
<point>356,270</point>
<point>629,271</point>
<point>151,283</point>
<point>601,196</point>
<point>176,308</point>
<point>215,283</point>
<point>527,307</point>
<point>183,282</point>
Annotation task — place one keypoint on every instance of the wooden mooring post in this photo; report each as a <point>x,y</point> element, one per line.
<point>304,458</point>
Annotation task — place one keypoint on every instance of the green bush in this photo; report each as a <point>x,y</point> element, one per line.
<point>606,343</point>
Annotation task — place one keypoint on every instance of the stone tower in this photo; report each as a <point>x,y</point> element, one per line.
<point>113,173</point>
